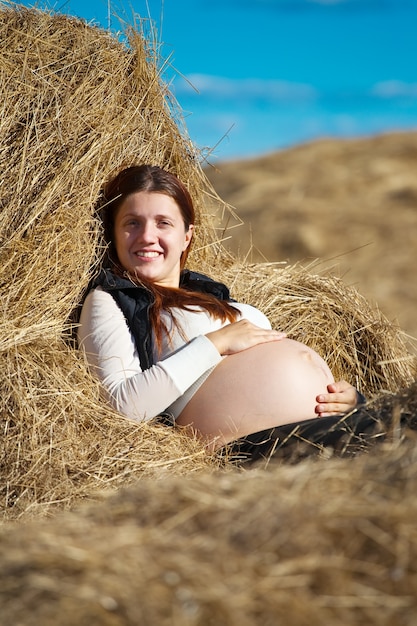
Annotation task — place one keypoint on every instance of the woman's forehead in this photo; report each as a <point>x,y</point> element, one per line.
<point>149,203</point>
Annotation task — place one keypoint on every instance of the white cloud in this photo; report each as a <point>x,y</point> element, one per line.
<point>246,88</point>
<point>395,89</point>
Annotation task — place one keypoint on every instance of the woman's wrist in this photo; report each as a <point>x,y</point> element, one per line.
<point>216,341</point>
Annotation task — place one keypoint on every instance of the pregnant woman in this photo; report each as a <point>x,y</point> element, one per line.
<point>166,341</point>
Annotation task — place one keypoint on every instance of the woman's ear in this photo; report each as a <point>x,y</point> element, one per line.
<point>188,236</point>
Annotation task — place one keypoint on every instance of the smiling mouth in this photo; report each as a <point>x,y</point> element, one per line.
<point>147,255</point>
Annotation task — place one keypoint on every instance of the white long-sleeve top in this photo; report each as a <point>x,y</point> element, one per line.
<point>186,361</point>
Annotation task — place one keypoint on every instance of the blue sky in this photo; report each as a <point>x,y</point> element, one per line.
<point>267,74</point>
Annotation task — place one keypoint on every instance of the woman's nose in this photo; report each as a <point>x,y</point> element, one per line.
<point>148,232</point>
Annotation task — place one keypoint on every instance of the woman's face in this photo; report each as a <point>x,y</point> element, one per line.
<point>150,237</point>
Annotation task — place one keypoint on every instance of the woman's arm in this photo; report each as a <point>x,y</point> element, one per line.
<point>112,357</point>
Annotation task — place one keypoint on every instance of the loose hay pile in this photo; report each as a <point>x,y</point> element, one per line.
<point>77,105</point>
<point>310,545</point>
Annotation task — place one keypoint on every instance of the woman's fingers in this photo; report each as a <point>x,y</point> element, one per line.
<point>242,335</point>
<point>341,386</point>
<point>342,397</point>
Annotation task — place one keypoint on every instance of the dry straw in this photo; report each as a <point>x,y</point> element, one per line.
<point>318,543</point>
<point>78,104</point>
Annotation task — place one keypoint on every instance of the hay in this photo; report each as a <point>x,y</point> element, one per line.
<point>78,105</point>
<point>358,342</point>
<point>312,544</point>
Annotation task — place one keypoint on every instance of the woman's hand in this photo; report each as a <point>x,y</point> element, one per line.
<point>240,336</point>
<point>342,397</point>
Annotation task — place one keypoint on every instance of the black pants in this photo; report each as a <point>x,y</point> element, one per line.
<point>343,435</point>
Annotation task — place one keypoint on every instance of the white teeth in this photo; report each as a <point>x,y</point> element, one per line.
<point>147,255</point>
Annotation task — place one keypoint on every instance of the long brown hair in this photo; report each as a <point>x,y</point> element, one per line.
<point>152,178</point>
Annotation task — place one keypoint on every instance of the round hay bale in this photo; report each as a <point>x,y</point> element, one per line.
<point>78,104</point>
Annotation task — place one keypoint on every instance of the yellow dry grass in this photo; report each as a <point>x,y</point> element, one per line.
<point>78,105</point>
<point>307,545</point>
<point>190,543</point>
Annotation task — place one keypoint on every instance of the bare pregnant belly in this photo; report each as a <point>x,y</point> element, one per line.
<point>268,385</point>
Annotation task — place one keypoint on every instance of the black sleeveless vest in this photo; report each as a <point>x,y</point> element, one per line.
<point>135,302</point>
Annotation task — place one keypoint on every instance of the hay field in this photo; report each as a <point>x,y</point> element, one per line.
<point>78,105</point>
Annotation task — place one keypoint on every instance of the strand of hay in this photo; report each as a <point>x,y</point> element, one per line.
<point>312,544</point>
